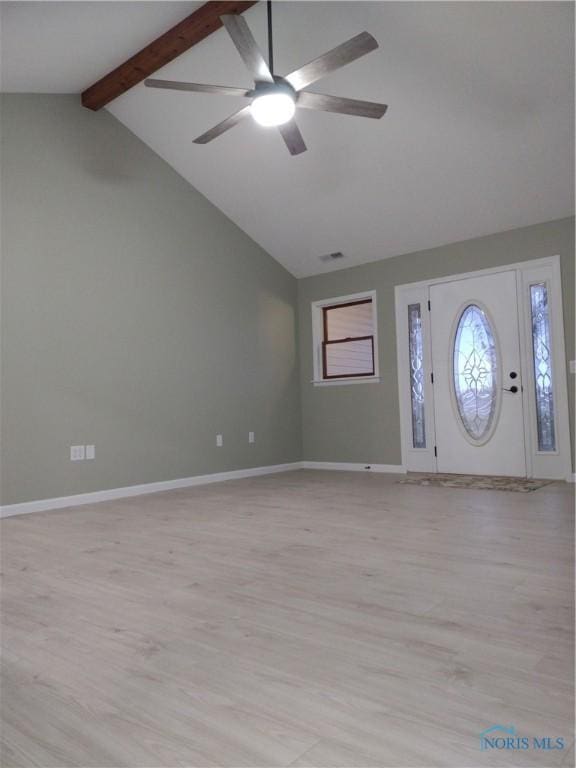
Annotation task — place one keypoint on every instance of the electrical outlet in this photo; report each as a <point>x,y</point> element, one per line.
<point>219,441</point>
<point>572,366</point>
<point>90,452</point>
<point>77,453</point>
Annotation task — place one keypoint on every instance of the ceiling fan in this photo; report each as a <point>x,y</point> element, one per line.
<point>274,99</point>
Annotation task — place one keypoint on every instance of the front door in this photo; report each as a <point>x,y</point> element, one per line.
<point>477,376</point>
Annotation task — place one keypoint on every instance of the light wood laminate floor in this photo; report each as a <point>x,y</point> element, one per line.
<point>302,619</point>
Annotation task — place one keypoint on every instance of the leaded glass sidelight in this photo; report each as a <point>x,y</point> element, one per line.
<point>474,369</point>
<point>542,349</point>
<point>416,354</point>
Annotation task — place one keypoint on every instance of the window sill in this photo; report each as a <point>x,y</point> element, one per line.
<point>339,382</point>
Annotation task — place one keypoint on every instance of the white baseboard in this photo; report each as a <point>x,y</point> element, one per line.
<point>42,505</point>
<point>351,467</point>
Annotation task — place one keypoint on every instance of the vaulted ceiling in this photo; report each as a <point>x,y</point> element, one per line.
<point>478,136</point>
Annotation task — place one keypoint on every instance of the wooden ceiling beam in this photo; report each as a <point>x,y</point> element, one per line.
<point>191,30</point>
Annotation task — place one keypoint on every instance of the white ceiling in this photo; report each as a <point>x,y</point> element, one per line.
<point>63,47</point>
<point>477,139</point>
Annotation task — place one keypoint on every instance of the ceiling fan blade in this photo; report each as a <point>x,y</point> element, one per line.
<point>325,103</point>
<point>177,85</point>
<point>338,57</point>
<point>244,41</point>
<point>224,126</point>
<point>292,137</point>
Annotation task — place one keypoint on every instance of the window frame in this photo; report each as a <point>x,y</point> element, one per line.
<point>326,341</point>
<point>319,331</point>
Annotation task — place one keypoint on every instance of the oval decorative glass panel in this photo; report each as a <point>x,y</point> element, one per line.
<point>474,368</point>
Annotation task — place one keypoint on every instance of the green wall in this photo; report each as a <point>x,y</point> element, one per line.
<point>361,422</point>
<point>135,315</point>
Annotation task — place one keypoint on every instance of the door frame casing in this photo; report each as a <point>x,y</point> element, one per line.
<point>554,465</point>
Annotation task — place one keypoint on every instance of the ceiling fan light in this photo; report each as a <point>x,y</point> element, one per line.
<point>273,109</point>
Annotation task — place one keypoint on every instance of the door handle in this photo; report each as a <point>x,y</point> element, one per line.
<point>512,389</point>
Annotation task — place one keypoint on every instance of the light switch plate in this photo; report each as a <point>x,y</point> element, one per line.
<point>90,451</point>
<point>76,453</point>
<point>219,441</point>
<point>251,437</point>
<point>572,366</point>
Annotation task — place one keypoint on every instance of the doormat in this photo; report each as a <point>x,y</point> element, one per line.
<point>477,482</point>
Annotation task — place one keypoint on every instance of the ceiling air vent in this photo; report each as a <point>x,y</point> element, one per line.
<point>332,256</point>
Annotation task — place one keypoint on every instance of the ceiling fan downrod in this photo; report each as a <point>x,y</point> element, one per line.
<point>270,48</point>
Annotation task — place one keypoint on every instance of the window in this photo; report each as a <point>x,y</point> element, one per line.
<point>475,366</point>
<point>416,356</point>
<point>542,358</point>
<point>345,339</point>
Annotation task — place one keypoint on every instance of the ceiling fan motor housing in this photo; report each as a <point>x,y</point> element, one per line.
<point>278,86</point>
